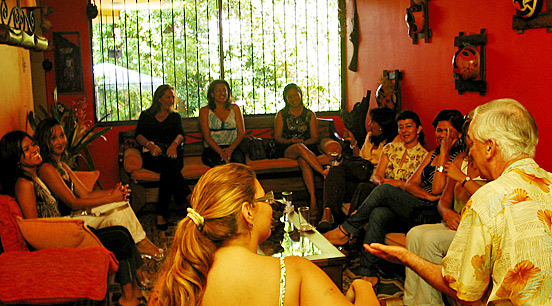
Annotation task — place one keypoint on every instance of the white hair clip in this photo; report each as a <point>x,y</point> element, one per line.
<point>195,217</point>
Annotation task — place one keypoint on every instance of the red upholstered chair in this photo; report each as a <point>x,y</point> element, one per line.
<point>48,276</point>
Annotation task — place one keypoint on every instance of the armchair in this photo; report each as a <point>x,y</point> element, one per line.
<point>48,276</point>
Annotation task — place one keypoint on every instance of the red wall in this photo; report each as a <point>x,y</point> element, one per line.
<point>517,65</point>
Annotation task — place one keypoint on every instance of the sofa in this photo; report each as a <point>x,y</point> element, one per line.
<point>50,275</point>
<point>275,174</point>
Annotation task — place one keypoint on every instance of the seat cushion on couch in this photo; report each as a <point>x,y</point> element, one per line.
<point>12,240</point>
<point>145,175</point>
<point>193,167</point>
<point>54,275</point>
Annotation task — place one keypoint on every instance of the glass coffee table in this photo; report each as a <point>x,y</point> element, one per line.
<point>311,245</point>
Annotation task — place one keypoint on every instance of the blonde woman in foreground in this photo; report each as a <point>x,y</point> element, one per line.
<point>214,258</point>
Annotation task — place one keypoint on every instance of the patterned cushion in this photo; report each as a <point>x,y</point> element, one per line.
<point>12,240</point>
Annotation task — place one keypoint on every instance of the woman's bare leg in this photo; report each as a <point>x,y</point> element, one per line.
<point>308,178</point>
<point>299,150</point>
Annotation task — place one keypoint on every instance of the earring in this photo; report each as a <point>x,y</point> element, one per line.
<point>251,224</point>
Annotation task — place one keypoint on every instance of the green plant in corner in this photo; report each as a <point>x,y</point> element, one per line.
<point>79,130</point>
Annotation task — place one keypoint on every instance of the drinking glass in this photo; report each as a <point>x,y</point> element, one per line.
<point>287,199</point>
<point>304,215</point>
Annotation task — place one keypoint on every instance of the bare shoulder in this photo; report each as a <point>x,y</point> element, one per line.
<point>23,184</point>
<point>204,110</point>
<point>46,168</point>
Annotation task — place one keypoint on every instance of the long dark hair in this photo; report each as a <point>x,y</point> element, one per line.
<point>408,114</point>
<point>10,155</point>
<point>385,117</point>
<point>42,134</point>
<point>159,92</point>
<point>211,99</point>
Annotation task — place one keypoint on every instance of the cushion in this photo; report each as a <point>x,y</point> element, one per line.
<point>328,145</point>
<point>145,175</point>
<point>88,178</point>
<point>54,275</point>
<point>50,233</point>
<point>132,160</point>
<point>12,240</point>
<point>194,167</point>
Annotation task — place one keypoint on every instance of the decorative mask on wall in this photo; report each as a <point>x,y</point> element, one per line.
<point>386,94</point>
<point>415,19</point>
<point>527,8</point>
<point>466,63</point>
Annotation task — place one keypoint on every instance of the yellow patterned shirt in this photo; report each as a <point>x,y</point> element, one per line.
<point>395,152</point>
<point>502,251</point>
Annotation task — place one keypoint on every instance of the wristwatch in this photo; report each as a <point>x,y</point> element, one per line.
<point>467,179</point>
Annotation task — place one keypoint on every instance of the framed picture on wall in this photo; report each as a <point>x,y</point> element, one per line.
<point>68,63</point>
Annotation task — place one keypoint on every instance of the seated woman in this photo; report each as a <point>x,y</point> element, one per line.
<point>19,159</point>
<point>296,135</point>
<point>159,132</point>
<point>73,196</point>
<point>399,209</point>
<point>431,241</point>
<point>222,127</point>
<point>342,180</point>
<point>214,258</point>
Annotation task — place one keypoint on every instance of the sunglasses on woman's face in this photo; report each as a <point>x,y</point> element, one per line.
<point>268,198</point>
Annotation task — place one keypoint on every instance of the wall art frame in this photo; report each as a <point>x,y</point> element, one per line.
<point>68,63</point>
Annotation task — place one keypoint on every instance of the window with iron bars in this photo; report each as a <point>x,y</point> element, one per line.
<point>258,46</point>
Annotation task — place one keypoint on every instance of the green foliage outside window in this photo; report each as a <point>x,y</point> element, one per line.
<point>264,46</point>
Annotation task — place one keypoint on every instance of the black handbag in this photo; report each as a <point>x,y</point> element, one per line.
<point>256,148</point>
<point>359,167</point>
<point>259,148</point>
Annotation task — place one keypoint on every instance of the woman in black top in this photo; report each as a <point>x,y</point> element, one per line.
<point>296,132</point>
<point>161,134</point>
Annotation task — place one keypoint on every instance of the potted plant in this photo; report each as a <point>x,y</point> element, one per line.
<point>79,130</point>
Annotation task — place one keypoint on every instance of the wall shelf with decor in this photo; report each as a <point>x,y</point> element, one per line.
<point>17,28</point>
<point>417,20</point>
<point>536,19</point>
<point>471,56</point>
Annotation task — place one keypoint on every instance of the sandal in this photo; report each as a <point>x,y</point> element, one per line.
<point>157,257</point>
<point>327,220</point>
<point>329,237</point>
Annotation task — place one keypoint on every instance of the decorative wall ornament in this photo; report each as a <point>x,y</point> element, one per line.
<point>417,21</point>
<point>468,63</point>
<point>388,93</point>
<point>354,38</point>
<point>529,16</point>
<point>18,27</point>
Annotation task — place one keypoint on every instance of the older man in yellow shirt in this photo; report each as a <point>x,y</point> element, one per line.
<point>502,252</point>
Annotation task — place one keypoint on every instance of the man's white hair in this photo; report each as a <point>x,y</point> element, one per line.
<point>509,124</point>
